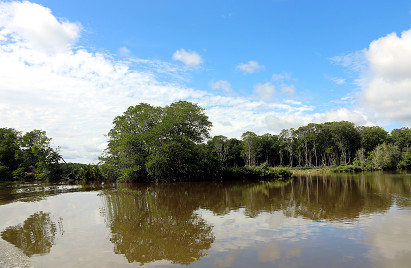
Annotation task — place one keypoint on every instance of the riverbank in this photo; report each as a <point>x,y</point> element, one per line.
<point>12,257</point>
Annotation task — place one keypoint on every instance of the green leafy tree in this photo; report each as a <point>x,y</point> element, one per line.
<point>386,156</point>
<point>36,157</point>
<point>235,148</point>
<point>401,137</point>
<point>158,143</point>
<point>371,137</point>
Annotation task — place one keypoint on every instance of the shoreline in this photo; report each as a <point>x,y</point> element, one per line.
<point>11,256</point>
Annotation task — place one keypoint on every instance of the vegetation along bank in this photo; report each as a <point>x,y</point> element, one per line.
<point>150,143</point>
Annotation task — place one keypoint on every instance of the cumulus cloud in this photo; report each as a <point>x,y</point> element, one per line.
<point>386,84</point>
<point>74,94</point>
<point>223,85</point>
<point>189,58</point>
<point>265,91</point>
<point>37,26</point>
<point>250,67</point>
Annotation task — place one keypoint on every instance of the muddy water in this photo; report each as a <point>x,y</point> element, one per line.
<point>310,221</point>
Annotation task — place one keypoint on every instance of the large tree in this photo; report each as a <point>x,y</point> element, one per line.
<point>158,143</point>
<point>36,156</point>
<point>28,155</point>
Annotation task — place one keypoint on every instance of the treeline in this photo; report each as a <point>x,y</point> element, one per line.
<point>149,143</point>
<point>168,143</point>
<point>316,145</point>
<point>30,156</point>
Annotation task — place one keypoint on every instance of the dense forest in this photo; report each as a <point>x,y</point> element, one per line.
<point>173,143</point>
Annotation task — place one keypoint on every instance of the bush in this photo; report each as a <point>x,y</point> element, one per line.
<point>256,173</point>
<point>385,156</point>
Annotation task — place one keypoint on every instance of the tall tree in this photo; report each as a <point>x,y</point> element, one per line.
<point>149,142</point>
<point>250,140</point>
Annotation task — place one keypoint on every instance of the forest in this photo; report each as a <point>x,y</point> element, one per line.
<point>149,143</point>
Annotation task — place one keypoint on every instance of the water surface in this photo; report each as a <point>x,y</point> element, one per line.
<point>325,221</point>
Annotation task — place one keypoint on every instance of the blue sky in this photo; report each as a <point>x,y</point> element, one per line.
<point>69,67</point>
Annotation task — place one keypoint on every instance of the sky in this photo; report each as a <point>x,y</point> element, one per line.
<point>70,67</point>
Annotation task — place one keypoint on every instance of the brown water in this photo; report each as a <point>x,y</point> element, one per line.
<point>318,221</point>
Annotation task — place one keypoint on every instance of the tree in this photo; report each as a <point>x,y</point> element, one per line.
<point>402,138</point>
<point>371,137</point>
<point>235,148</point>
<point>250,140</point>
<point>219,146</point>
<point>8,148</point>
<point>36,157</point>
<point>386,156</point>
<point>158,143</point>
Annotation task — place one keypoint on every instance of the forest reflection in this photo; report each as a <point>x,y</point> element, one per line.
<point>36,235</point>
<point>151,222</point>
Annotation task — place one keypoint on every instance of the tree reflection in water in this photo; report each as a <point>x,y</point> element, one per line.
<point>148,225</point>
<point>152,222</point>
<point>35,236</point>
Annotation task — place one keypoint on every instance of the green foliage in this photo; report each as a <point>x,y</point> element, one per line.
<point>8,148</point>
<point>371,137</point>
<point>81,172</point>
<point>27,156</point>
<point>385,156</point>
<point>156,143</point>
<point>405,163</point>
<point>347,168</point>
<point>256,173</point>
<point>401,137</point>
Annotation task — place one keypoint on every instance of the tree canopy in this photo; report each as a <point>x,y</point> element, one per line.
<point>150,142</point>
<point>28,155</point>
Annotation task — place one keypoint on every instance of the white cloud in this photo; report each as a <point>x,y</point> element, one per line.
<point>337,80</point>
<point>123,51</point>
<point>282,76</point>
<point>74,94</point>
<point>36,25</point>
<point>386,85</point>
<point>265,91</point>
<point>289,89</point>
<point>250,67</point>
<point>355,61</point>
<point>189,58</point>
<point>389,236</point>
<point>223,85</point>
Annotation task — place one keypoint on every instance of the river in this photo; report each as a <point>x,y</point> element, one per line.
<point>361,220</point>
